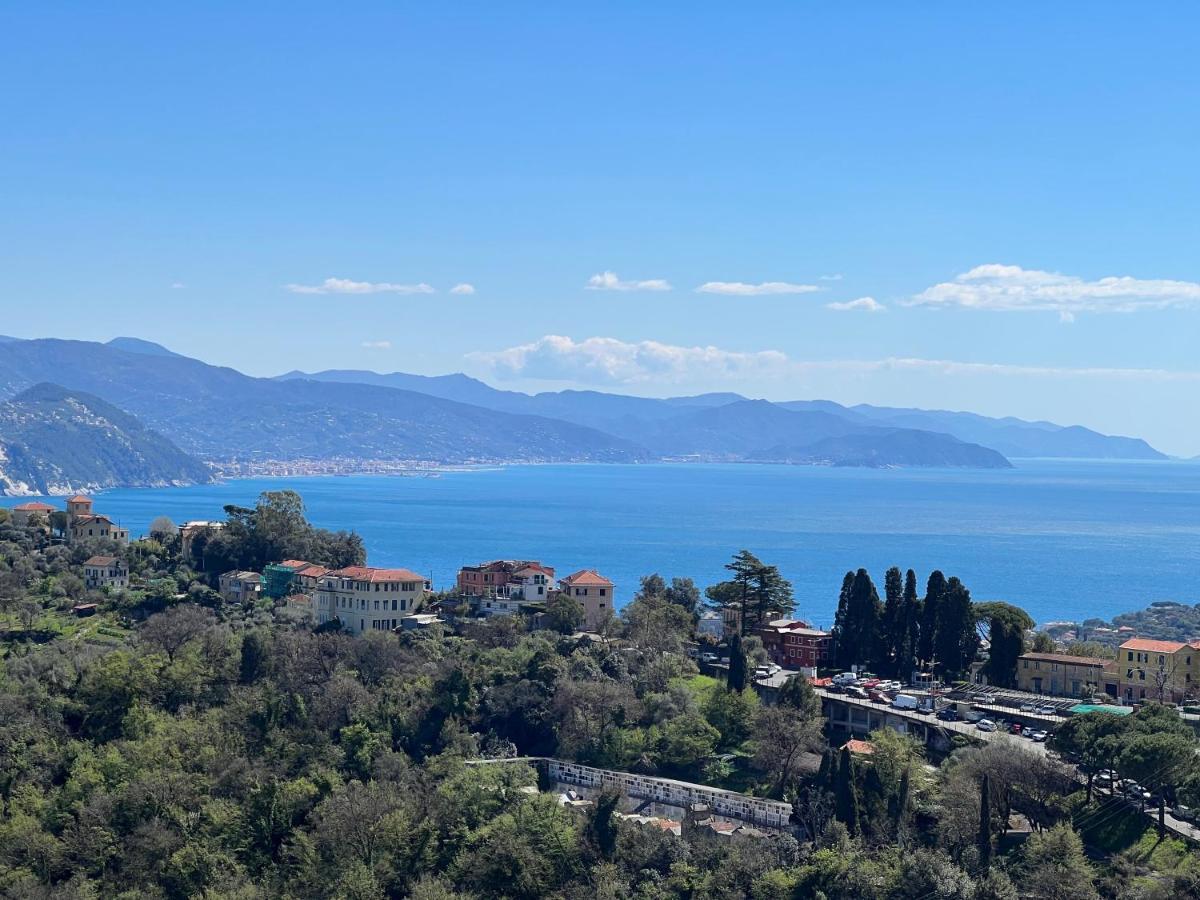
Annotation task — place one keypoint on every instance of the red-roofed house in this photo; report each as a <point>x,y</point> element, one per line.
<point>365,598</point>
<point>506,578</point>
<point>594,592</point>
<point>1158,670</point>
<point>795,644</point>
<point>24,512</point>
<point>859,748</point>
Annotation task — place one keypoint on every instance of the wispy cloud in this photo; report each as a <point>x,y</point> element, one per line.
<point>377,345</point>
<point>1011,288</point>
<point>608,281</point>
<point>835,277</point>
<point>742,289</point>
<point>862,304</point>
<point>605,360</point>
<point>463,288</point>
<point>177,285</point>
<point>347,286</point>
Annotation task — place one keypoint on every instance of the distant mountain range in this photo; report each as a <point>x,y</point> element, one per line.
<point>57,441</point>
<point>1010,437</point>
<point>219,414</point>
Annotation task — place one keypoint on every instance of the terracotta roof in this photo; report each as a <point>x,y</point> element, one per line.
<point>294,563</point>
<point>587,578</point>
<point>36,506</point>
<point>97,519</point>
<point>1148,646</point>
<point>537,567</point>
<point>79,498</point>
<point>373,575</point>
<point>1068,659</point>
<point>312,571</point>
<point>101,561</point>
<point>856,746</point>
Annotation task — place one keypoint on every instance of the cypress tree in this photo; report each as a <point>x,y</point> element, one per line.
<point>738,677</point>
<point>845,796</point>
<point>828,769</point>
<point>930,611</point>
<point>843,649</point>
<point>956,638</point>
<point>911,615</point>
<point>893,622</point>
<point>985,824</point>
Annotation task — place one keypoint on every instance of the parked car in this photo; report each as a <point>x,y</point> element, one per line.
<point>1046,710</point>
<point>1014,728</point>
<point>1028,707</point>
<point>906,701</point>
<point>857,693</point>
<point>948,714</point>
<point>878,697</point>
<point>1184,813</point>
<point>1039,736</point>
<point>708,657</point>
<point>985,725</point>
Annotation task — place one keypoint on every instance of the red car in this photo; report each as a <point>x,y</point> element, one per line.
<point>1014,728</point>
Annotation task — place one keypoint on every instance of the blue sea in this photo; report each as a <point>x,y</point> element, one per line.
<point>1063,539</point>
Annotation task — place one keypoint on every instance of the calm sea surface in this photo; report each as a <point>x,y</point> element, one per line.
<point>1063,539</point>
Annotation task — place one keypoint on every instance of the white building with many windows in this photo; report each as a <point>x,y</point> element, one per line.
<point>365,599</point>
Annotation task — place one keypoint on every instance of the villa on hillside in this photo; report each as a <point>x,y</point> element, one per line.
<point>794,644</point>
<point>594,592</point>
<point>504,586</point>
<point>365,598</point>
<point>24,512</point>
<point>190,531</point>
<point>101,572</point>
<point>240,587</point>
<point>1158,670</point>
<point>83,523</point>
<point>1062,675</point>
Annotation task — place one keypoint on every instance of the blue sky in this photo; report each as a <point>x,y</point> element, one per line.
<point>978,173</point>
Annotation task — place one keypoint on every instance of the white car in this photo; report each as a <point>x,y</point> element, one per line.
<point>1047,711</point>
<point>985,725</point>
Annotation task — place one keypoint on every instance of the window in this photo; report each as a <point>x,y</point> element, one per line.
<point>602,592</point>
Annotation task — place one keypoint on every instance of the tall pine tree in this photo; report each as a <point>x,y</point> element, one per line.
<point>845,794</point>
<point>910,614</point>
<point>930,609</point>
<point>893,622</point>
<point>956,638</point>
<point>856,627</point>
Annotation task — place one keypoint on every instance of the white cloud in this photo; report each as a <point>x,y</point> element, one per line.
<point>463,288</point>
<point>177,285</point>
<point>742,289</point>
<point>346,286</point>
<point>377,345</point>
<point>1011,288</point>
<point>862,304</point>
<point>608,281</point>
<point>601,360</point>
<point>604,360</point>
<point>835,277</point>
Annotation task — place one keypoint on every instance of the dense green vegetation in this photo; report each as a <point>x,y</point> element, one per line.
<point>176,746</point>
<point>52,439</point>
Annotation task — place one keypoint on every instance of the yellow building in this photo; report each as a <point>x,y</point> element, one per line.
<point>1158,670</point>
<point>1060,674</point>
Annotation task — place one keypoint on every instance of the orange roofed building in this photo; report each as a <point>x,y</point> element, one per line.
<point>1167,671</point>
<point>594,592</point>
<point>365,598</point>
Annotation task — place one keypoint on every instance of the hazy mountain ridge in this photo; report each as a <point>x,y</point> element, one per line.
<point>219,413</point>
<point>54,441</point>
<point>622,414</point>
